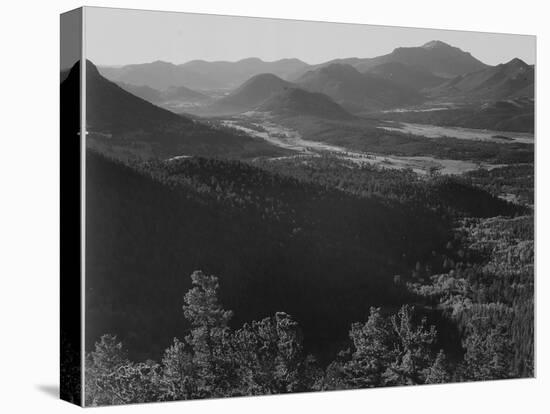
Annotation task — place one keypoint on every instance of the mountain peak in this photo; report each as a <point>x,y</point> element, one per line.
<point>435,56</point>
<point>250,94</point>
<point>290,60</point>
<point>436,44</point>
<point>516,62</point>
<point>111,108</point>
<point>264,79</point>
<point>294,101</point>
<point>266,75</point>
<point>91,69</point>
<point>341,69</point>
<point>161,63</point>
<point>251,60</point>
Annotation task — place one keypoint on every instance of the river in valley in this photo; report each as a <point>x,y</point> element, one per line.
<point>290,139</point>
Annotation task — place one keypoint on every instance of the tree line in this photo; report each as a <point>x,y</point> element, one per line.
<point>267,356</point>
<point>262,357</point>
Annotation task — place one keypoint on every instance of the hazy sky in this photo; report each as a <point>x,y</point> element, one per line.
<point>116,36</point>
<point>70,39</point>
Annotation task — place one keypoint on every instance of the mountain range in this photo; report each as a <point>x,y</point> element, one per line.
<point>164,97</point>
<point>357,91</point>
<point>200,75</point>
<point>120,121</point>
<point>406,76</point>
<point>136,97</point>
<point>269,93</point>
<point>508,80</point>
<point>438,58</point>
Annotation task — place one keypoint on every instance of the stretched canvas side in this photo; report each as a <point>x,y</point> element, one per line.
<point>71,205</point>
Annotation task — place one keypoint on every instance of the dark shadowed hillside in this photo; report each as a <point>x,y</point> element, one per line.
<point>297,102</point>
<point>278,243</point>
<point>125,125</point>
<point>250,94</point>
<point>111,108</point>
<point>275,242</point>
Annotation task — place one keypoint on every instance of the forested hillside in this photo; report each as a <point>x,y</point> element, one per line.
<point>320,264</point>
<point>487,289</point>
<point>316,250</point>
<point>278,243</point>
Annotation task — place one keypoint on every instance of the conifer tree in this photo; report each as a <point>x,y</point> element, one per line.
<point>210,337</point>
<point>179,373</point>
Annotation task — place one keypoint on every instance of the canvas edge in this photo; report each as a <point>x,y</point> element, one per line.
<point>71,375</point>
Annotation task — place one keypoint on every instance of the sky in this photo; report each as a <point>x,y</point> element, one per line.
<point>70,39</point>
<point>119,37</point>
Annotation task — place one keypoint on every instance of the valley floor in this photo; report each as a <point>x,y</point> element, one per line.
<point>265,127</point>
<point>434,131</point>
